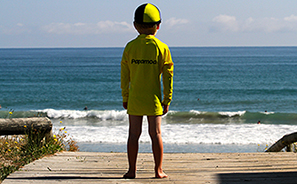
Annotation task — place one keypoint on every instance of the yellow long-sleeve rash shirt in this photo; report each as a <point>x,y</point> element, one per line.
<point>144,60</point>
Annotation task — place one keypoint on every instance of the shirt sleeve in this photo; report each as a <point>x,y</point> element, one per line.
<point>167,76</point>
<point>125,77</point>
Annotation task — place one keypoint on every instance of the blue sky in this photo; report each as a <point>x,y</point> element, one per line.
<point>108,23</point>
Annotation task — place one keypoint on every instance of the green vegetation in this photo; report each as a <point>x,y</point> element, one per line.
<point>17,151</point>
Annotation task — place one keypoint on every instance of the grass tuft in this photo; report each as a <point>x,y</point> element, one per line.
<point>19,150</point>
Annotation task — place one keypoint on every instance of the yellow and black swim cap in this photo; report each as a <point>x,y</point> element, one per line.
<point>147,14</point>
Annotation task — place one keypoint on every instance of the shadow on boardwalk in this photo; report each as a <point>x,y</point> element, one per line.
<point>273,177</point>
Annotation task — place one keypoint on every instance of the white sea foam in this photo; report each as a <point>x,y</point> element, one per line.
<point>111,127</point>
<point>231,114</point>
<point>267,113</point>
<point>186,133</point>
<point>76,114</point>
<point>196,112</point>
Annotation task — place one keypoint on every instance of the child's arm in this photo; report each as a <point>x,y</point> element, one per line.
<point>125,80</point>
<point>167,81</point>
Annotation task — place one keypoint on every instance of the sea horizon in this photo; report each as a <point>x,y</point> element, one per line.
<point>110,47</point>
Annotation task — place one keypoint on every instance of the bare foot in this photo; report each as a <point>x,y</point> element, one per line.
<point>161,175</point>
<point>129,175</point>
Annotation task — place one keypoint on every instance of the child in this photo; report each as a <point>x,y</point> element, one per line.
<point>144,60</point>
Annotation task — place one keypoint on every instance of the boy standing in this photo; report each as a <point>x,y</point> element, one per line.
<point>144,60</point>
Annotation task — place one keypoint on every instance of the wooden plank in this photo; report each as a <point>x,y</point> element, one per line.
<point>94,167</point>
<point>16,126</point>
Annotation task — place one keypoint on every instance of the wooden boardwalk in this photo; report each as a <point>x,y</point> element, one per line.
<point>94,167</point>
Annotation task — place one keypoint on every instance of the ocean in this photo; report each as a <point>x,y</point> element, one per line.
<point>220,93</point>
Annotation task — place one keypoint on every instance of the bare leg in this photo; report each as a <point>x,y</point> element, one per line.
<point>157,144</point>
<point>135,128</point>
